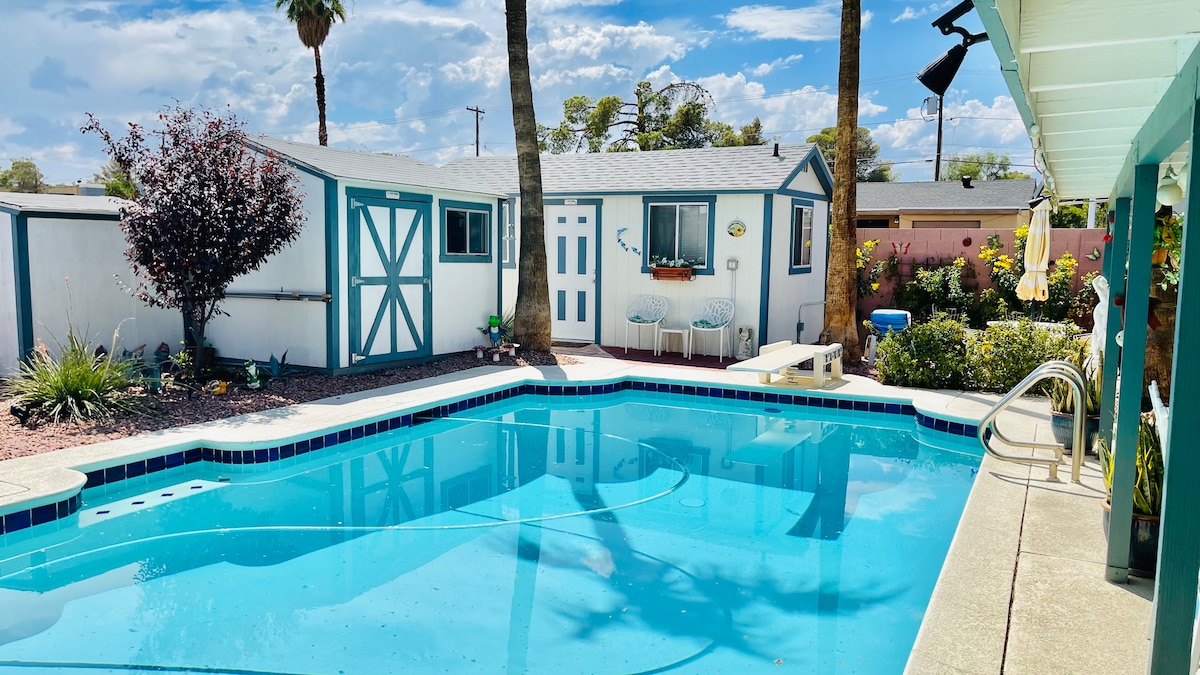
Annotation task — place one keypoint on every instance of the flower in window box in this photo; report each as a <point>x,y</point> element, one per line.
<point>663,261</point>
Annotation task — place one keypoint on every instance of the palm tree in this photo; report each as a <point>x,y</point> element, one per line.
<point>841,291</point>
<point>313,18</point>
<point>532,321</point>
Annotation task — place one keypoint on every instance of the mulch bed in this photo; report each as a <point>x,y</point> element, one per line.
<point>174,407</point>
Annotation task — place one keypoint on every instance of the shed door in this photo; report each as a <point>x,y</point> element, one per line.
<point>391,269</point>
<point>571,271</point>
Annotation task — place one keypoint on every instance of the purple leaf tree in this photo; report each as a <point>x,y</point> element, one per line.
<point>209,208</point>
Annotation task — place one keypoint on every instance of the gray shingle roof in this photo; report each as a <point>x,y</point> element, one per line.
<point>39,203</point>
<point>394,169</point>
<point>946,195</point>
<point>737,168</point>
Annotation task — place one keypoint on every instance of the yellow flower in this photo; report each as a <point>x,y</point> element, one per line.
<point>960,262</point>
<point>1022,231</point>
<point>875,286</point>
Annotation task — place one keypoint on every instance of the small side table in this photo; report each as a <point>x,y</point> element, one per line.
<point>684,340</point>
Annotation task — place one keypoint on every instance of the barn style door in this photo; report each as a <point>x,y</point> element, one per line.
<point>390,266</point>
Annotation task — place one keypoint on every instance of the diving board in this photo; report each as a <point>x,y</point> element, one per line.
<point>782,357</point>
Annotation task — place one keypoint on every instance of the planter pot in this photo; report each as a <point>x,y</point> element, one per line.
<point>1143,543</point>
<point>1060,424</point>
<point>496,357</point>
<point>672,273</point>
<point>1159,256</point>
<point>479,353</point>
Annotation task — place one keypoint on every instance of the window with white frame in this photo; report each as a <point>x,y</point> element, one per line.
<point>679,231</point>
<point>802,235</point>
<point>466,232</point>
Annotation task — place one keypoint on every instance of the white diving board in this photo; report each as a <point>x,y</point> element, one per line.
<point>781,357</point>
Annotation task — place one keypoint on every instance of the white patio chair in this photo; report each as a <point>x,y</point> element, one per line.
<point>645,310</point>
<point>712,316</point>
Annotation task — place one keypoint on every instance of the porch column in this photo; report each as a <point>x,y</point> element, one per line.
<point>1179,533</point>
<point>1133,360</point>
<point>1116,253</point>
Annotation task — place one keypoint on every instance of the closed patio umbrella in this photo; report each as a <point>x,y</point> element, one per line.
<point>1037,255</point>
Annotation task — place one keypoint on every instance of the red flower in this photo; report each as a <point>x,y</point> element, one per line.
<point>1108,238</point>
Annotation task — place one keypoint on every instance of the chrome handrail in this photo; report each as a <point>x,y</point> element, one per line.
<point>1051,369</point>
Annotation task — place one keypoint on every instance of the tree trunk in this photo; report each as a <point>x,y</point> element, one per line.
<point>841,291</point>
<point>1160,344</point>
<point>532,321</point>
<point>322,134</point>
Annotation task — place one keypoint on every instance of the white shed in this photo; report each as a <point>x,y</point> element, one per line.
<point>62,260</point>
<point>396,261</point>
<point>755,217</point>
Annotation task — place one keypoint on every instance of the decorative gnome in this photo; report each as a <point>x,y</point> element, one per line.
<point>493,331</point>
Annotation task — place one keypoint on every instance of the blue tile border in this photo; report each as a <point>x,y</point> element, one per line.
<point>20,520</point>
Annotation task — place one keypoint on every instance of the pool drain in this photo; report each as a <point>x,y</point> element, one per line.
<point>691,502</point>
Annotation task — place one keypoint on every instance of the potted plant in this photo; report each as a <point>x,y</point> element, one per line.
<point>678,269</point>
<point>1062,399</point>
<point>1147,496</point>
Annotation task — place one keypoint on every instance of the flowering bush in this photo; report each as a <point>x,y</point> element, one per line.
<point>930,355</point>
<point>1006,272</point>
<point>867,275</point>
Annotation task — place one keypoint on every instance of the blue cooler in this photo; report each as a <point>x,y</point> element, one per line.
<point>890,319</point>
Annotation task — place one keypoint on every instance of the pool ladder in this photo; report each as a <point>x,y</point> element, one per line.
<point>1051,369</point>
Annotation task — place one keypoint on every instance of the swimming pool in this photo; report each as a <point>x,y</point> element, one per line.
<point>629,532</point>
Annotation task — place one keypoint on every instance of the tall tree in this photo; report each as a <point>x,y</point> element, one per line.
<point>868,167</point>
<point>22,175</point>
<point>209,210</point>
<point>532,321</point>
<point>841,289</point>
<point>1075,215</point>
<point>675,116</point>
<point>981,166</point>
<point>725,136</point>
<point>116,182</point>
<point>313,19</point>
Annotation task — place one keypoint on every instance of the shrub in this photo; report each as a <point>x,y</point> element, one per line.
<point>992,306</point>
<point>1004,354</point>
<point>866,275</point>
<point>930,355</point>
<point>936,285</point>
<point>75,387</point>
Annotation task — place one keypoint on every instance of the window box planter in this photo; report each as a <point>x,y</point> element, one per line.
<point>672,273</point>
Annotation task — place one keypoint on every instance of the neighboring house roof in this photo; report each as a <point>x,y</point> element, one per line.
<point>394,169</point>
<point>987,195</point>
<point>21,202</point>
<point>745,168</point>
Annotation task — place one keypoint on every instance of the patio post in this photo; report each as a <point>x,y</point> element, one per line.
<point>1179,533</point>
<point>1133,361</point>
<point>1116,252</point>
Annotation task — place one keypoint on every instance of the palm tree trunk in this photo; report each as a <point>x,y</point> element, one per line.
<point>322,134</point>
<point>841,291</point>
<point>532,321</point>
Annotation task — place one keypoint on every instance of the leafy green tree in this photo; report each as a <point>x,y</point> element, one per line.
<point>22,176</point>
<point>841,283</point>
<point>313,19</point>
<point>725,136</point>
<point>532,320</point>
<point>1075,215</point>
<point>869,168</point>
<point>209,209</point>
<point>981,166</point>
<point>116,182</point>
<point>675,116</point>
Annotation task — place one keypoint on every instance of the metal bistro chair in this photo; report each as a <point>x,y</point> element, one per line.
<point>712,316</point>
<point>645,310</point>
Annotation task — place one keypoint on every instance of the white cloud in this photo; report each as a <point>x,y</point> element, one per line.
<point>867,15</point>
<point>766,68</point>
<point>909,13</point>
<point>772,22</point>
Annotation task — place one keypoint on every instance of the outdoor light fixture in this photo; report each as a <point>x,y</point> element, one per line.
<point>938,75</point>
<point>1169,193</point>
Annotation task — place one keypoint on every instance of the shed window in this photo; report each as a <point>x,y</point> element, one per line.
<point>679,231</point>
<point>802,234</point>
<point>466,232</point>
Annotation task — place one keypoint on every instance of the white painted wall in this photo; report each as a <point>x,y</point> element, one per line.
<point>9,348</point>
<point>256,329</point>
<point>806,181</point>
<point>789,291</point>
<point>90,253</point>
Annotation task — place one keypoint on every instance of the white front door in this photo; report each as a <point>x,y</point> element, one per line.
<point>571,267</point>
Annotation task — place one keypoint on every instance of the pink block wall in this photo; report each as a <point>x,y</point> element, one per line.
<point>920,245</point>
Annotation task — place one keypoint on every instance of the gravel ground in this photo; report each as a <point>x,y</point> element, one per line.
<point>174,408</point>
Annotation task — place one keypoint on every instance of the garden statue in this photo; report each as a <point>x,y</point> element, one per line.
<point>493,331</point>
<point>745,349</point>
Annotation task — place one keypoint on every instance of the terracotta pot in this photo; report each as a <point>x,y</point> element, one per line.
<point>1159,256</point>
<point>672,273</point>
<point>1061,425</point>
<point>1143,543</point>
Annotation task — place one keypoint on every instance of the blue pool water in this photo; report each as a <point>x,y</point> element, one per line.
<point>622,533</point>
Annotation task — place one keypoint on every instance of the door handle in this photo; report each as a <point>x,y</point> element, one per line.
<point>427,281</point>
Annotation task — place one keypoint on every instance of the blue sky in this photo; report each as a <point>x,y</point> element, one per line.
<point>401,73</point>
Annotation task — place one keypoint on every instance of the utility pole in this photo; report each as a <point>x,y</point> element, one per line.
<point>937,166</point>
<point>479,112</point>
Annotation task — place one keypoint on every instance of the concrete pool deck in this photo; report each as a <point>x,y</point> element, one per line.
<point>1022,589</point>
